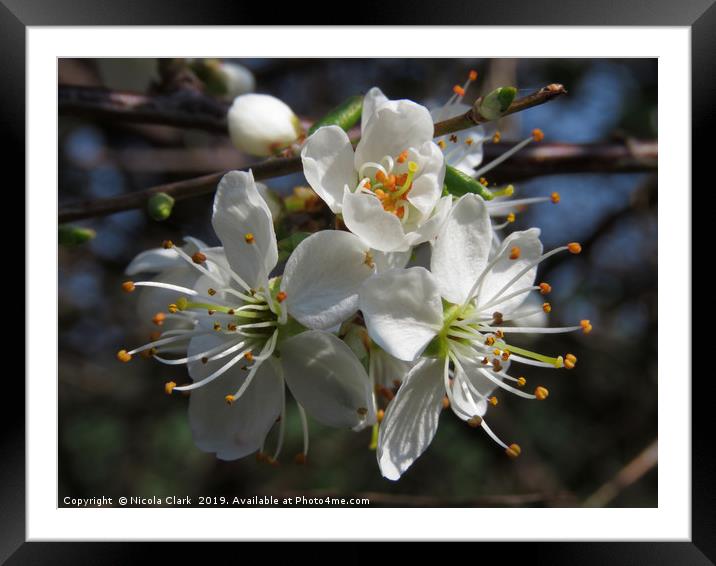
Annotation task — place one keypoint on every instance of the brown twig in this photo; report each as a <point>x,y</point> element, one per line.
<point>273,167</point>
<point>630,474</point>
<point>183,108</point>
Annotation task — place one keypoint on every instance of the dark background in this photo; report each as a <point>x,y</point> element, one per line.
<point>120,435</point>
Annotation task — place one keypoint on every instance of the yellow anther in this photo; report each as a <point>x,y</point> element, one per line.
<point>570,357</point>
<point>442,144</point>
<point>515,252</point>
<point>545,288</point>
<point>229,399</point>
<point>554,197</point>
<point>198,257</point>
<point>211,291</point>
<point>574,247</point>
<point>281,296</point>
<point>499,334</point>
<point>249,238</point>
<point>546,307</point>
<point>473,75</point>
<point>457,89</point>
<point>158,318</point>
<point>511,217</point>
<point>490,340</point>
<point>541,393</point>
<point>211,312</point>
<point>128,286</point>
<point>513,451</point>
<point>586,326</point>
<point>379,415</point>
<point>468,141</point>
<point>483,181</point>
<point>362,411</point>
<point>231,327</point>
<point>173,308</point>
<point>300,459</point>
<point>167,244</point>
<point>249,356</point>
<point>368,259</point>
<point>446,402</point>
<point>505,355</point>
<point>537,135</point>
<point>403,157</point>
<point>493,401</point>
<point>124,356</point>
<point>217,326</point>
<point>570,361</point>
<point>521,381</point>
<point>496,137</point>
<point>169,387</point>
<point>496,351</point>
<point>475,421</point>
<point>231,312</point>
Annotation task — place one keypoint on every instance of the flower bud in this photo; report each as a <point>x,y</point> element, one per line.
<point>159,206</point>
<point>69,235</point>
<point>496,103</point>
<point>261,125</point>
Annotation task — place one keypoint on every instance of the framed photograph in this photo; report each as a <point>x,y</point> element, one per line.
<point>401,280</point>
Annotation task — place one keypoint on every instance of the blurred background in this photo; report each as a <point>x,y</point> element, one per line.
<point>593,442</point>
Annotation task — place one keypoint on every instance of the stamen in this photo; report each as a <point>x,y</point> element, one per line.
<point>505,156</point>
<point>537,135</point>
<point>570,361</point>
<point>229,399</point>
<point>545,288</point>
<point>475,421</point>
<point>457,89</point>
<point>167,244</point>
<point>541,393</point>
<point>554,197</point>
<point>128,286</point>
<point>169,387</point>
<point>574,248</point>
<point>198,257</point>
<point>124,356</point>
<point>158,318</point>
<point>513,451</point>
<point>403,157</point>
<point>496,137</point>
<point>249,238</point>
<point>546,307</point>
<point>281,296</point>
<point>521,381</point>
<point>515,253</point>
<point>586,326</point>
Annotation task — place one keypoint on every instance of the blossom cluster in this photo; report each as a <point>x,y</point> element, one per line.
<point>417,306</point>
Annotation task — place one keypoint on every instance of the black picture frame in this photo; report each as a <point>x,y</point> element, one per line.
<point>17,15</point>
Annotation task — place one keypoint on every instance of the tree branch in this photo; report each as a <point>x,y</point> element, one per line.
<point>182,109</point>
<point>273,167</point>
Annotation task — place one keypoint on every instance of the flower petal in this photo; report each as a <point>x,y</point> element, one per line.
<point>470,389</point>
<point>154,261</point>
<point>232,431</point>
<point>428,184</point>
<point>387,369</point>
<point>240,211</point>
<point>411,420</point>
<point>323,276</point>
<point>394,127</point>
<point>365,217</point>
<point>325,377</point>
<point>328,165</point>
<point>462,247</point>
<point>530,249</point>
<point>371,101</point>
<point>429,229</point>
<point>390,260</point>
<point>402,310</point>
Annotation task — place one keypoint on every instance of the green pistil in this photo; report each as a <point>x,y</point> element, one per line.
<point>374,438</point>
<point>556,362</point>
<point>412,169</point>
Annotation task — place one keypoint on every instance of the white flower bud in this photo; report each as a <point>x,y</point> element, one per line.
<point>239,80</point>
<point>260,124</point>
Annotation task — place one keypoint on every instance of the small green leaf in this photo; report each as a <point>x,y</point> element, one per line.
<point>458,183</point>
<point>497,102</point>
<point>159,206</point>
<point>69,235</point>
<point>345,115</point>
<point>287,245</point>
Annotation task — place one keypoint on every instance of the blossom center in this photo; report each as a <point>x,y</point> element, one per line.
<point>390,181</point>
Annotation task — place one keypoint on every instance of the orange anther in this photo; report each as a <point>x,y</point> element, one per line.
<point>128,286</point>
<point>513,451</point>
<point>167,244</point>
<point>198,257</point>
<point>249,238</point>
<point>457,89</point>
<point>281,296</point>
<point>541,393</point>
<point>249,356</point>
<point>158,318</point>
<point>473,75</point>
<point>554,197</point>
<point>124,356</point>
<point>229,399</point>
<point>546,307</point>
<point>403,156</point>
<point>545,288</point>
<point>169,387</point>
<point>521,381</point>
<point>537,135</point>
<point>574,247</point>
<point>475,421</point>
<point>515,252</point>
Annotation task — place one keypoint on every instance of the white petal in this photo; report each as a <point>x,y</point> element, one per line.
<point>232,431</point>
<point>273,201</point>
<point>325,377</point>
<point>154,261</point>
<point>328,165</point>
<point>470,389</point>
<point>365,217</point>
<point>239,210</point>
<point>429,229</point>
<point>402,310</point>
<point>322,278</point>
<point>394,127</point>
<point>428,184</point>
<point>505,269</point>
<point>390,260</point>
<point>462,247</point>
<point>411,420</point>
<point>371,101</point>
